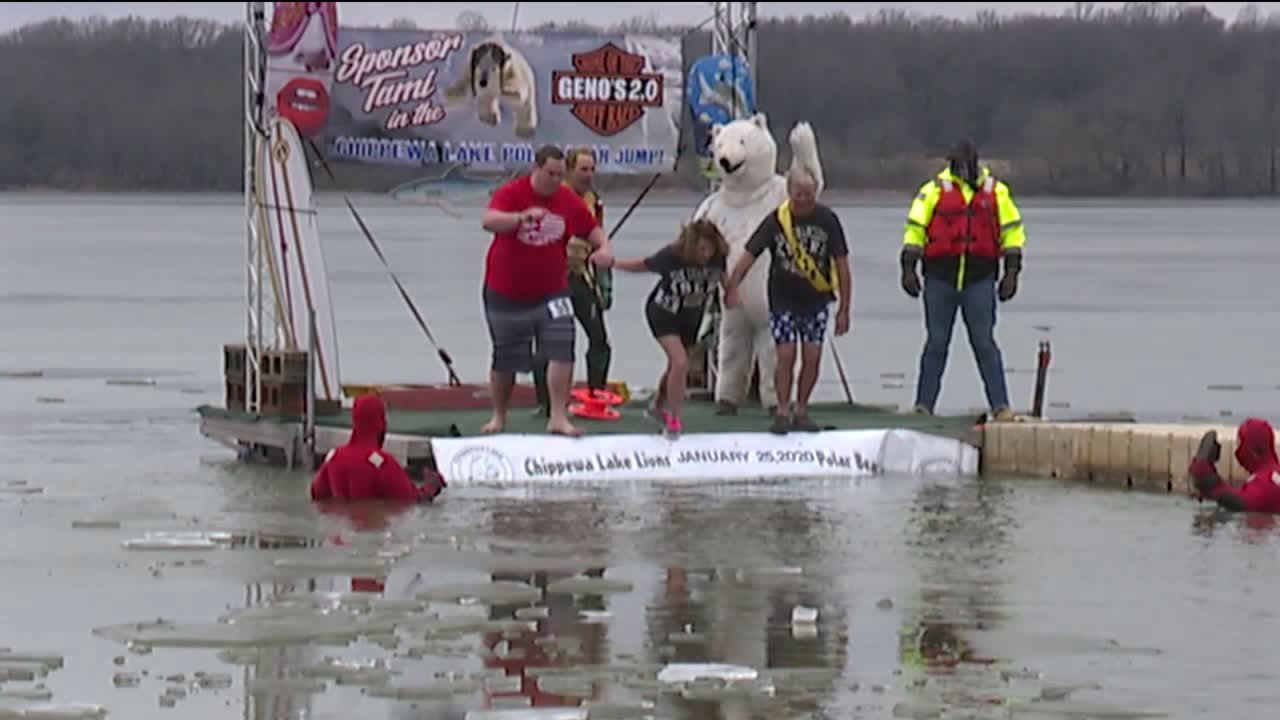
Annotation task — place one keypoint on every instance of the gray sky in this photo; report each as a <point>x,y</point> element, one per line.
<point>13,14</point>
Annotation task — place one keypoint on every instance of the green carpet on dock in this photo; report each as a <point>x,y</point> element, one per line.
<point>699,417</point>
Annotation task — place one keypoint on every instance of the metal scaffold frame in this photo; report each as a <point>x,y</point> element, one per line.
<point>261,324</point>
<point>733,32</point>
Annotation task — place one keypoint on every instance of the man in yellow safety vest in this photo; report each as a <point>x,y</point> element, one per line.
<point>961,224</point>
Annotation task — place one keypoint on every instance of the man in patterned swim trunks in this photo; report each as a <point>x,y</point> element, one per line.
<point>806,242</point>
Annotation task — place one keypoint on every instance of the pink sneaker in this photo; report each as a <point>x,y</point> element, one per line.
<point>673,424</point>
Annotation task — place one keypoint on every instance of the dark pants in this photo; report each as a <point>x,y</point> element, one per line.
<point>977,305</point>
<point>591,318</point>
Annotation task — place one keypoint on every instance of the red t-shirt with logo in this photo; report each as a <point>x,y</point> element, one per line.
<point>530,263</point>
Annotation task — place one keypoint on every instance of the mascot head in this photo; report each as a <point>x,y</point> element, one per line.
<point>744,153</point>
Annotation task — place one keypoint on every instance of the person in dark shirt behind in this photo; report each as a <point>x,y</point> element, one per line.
<point>1256,453</point>
<point>362,470</point>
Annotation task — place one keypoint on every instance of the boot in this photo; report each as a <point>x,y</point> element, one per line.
<point>598,367</point>
<point>1003,415</point>
<point>724,407</point>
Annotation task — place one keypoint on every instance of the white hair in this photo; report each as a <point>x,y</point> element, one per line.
<point>800,173</point>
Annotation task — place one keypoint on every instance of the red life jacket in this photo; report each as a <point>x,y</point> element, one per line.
<point>959,228</point>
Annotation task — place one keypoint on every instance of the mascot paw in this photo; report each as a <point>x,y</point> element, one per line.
<point>802,137</point>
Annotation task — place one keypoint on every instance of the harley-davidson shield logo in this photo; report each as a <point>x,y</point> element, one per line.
<point>607,89</point>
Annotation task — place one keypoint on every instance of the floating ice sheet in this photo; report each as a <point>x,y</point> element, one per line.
<point>178,541</point>
<point>676,673</point>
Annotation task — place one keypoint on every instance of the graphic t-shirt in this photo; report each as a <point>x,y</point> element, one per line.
<point>530,264</point>
<point>822,237</point>
<point>683,288</point>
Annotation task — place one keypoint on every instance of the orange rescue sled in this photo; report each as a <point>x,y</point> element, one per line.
<point>595,404</point>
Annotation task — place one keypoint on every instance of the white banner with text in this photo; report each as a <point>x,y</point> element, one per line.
<point>706,457</point>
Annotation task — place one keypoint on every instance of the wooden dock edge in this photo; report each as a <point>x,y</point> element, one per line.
<point>1125,455</point>
<point>286,437</point>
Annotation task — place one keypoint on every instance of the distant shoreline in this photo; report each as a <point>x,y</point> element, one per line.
<point>1142,116</point>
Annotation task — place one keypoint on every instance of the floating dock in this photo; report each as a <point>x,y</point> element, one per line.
<point>410,432</point>
<point>1126,455</point>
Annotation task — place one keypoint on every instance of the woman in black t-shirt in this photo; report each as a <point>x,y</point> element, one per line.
<point>690,269</point>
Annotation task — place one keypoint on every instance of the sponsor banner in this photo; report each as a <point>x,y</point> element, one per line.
<point>489,100</point>
<point>534,459</point>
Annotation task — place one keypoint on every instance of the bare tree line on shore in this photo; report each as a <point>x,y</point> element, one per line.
<point>1151,99</point>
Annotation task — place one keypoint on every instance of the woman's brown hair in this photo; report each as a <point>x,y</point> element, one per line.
<point>696,232</point>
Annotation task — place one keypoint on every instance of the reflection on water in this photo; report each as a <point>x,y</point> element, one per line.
<point>895,598</point>
<point>958,535</point>
<point>997,598</point>
<point>734,600</point>
<point>1251,529</point>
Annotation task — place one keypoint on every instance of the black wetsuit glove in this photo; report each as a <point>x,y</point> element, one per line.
<point>1009,282</point>
<point>910,280</point>
<point>1203,466</point>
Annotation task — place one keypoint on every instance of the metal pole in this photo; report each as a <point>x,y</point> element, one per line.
<point>309,429</point>
<point>1043,359</point>
<point>753,50</point>
<point>734,34</point>
<point>254,84</point>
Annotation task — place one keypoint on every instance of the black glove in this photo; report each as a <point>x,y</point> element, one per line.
<point>432,485</point>
<point>1009,283</point>
<point>1008,287</point>
<point>910,280</point>
<point>1206,484</point>
<point>1203,471</point>
<point>1209,449</point>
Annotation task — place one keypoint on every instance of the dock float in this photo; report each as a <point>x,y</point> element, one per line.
<point>416,436</point>
<point>1122,454</point>
<point>1127,455</point>
<point>439,427</point>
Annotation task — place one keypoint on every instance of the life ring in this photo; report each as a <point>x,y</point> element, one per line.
<point>595,409</point>
<point>586,396</point>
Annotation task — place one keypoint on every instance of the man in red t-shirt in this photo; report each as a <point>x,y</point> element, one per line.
<point>526,285</point>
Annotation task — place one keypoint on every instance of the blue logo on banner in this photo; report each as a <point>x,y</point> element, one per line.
<point>719,89</point>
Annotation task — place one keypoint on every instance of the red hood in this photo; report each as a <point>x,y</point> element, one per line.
<point>368,421</point>
<point>1256,445</point>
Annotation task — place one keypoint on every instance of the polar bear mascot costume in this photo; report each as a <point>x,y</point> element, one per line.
<point>746,159</point>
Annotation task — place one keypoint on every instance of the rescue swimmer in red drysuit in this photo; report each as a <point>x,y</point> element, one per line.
<point>362,470</point>
<point>1256,453</point>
